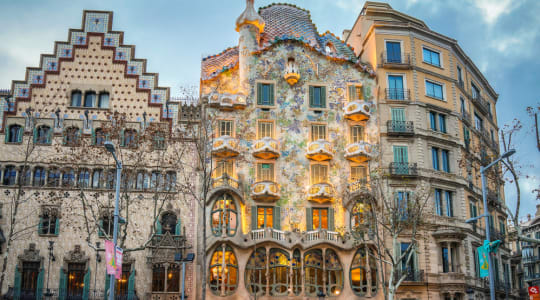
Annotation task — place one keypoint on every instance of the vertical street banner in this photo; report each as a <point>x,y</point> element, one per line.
<point>110,257</point>
<point>534,293</point>
<point>119,255</point>
<point>483,261</point>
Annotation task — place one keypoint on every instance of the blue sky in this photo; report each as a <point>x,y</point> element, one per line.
<point>501,37</point>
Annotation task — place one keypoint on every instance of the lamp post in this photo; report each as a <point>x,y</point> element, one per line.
<point>110,147</point>
<point>486,216</point>
<point>98,259</point>
<point>48,293</point>
<point>188,259</point>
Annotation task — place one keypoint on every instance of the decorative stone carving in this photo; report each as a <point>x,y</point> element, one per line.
<point>31,254</point>
<point>76,256</point>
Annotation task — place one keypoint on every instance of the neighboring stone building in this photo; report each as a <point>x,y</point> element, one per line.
<point>530,253</point>
<point>294,113</point>
<point>438,124</point>
<point>55,121</point>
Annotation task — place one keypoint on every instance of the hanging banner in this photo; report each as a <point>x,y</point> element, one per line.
<point>119,255</point>
<point>109,257</point>
<point>483,261</point>
<point>534,293</point>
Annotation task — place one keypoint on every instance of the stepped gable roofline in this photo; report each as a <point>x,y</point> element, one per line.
<point>94,23</point>
<point>213,65</point>
<point>249,16</point>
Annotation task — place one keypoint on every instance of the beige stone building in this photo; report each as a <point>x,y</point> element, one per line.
<point>57,182</point>
<point>438,124</point>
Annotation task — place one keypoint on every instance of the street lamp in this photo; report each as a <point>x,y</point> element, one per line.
<point>110,147</point>
<point>48,293</point>
<point>188,259</point>
<point>486,216</point>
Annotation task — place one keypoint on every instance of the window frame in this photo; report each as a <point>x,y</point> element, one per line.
<point>259,84</point>
<point>272,131</point>
<point>311,131</point>
<point>219,127</point>
<point>262,177</point>
<point>435,83</point>
<point>432,50</point>
<point>401,50</point>
<point>324,91</point>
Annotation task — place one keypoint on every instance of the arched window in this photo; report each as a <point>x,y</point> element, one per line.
<point>103,101</point>
<point>296,272</point>
<point>313,272</point>
<point>14,134</point>
<point>224,216</point>
<point>89,99</point>
<point>111,179</point>
<point>156,183</point>
<point>76,98</point>
<point>255,275</point>
<point>129,138</point>
<point>42,135</point>
<point>25,176</point>
<point>84,178</point>
<point>98,179</point>
<point>54,177</point>
<point>359,279</point>
<point>39,176</point>
<point>223,275</point>
<point>68,177</point>
<point>169,224</point>
<point>373,271</point>
<point>71,136</point>
<point>142,181</point>
<point>10,174</point>
<point>170,181</point>
<point>333,273</point>
<point>279,272</point>
<point>99,137</point>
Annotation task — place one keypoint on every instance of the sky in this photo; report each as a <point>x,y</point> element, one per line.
<point>502,37</point>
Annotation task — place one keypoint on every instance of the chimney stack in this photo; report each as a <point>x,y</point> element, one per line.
<point>537,210</point>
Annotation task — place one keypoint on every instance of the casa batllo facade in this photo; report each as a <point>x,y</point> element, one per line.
<point>300,122</point>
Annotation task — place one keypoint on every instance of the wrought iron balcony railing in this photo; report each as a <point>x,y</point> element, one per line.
<point>358,185</point>
<point>396,61</point>
<point>400,127</point>
<point>403,169</point>
<point>225,181</point>
<point>398,94</point>
<point>411,275</point>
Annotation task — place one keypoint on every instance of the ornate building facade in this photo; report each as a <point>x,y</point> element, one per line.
<point>58,181</point>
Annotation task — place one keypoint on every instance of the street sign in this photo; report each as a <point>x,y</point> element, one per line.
<point>534,293</point>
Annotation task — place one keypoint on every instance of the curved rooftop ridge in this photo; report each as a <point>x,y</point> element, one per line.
<point>213,65</point>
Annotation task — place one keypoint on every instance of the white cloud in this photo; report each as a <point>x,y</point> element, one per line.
<point>492,9</point>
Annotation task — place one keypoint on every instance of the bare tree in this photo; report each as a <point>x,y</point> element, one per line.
<point>390,216</point>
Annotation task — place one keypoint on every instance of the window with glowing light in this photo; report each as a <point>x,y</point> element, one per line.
<point>121,289</point>
<point>164,278</point>
<point>75,284</point>
<point>224,216</point>
<point>355,92</point>
<point>320,218</point>
<point>333,274</point>
<point>279,272</point>
<point>313,272</point>
<point>265,217</point>
<point>255,275</point>
<point>360,216</point>
<point>223,275</point>
<point>359,271</point>
<point>158,278</point>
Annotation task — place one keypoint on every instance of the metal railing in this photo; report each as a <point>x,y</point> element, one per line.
<point>496,234</point>
<point>403,169</point>
<point>531,258</point>
<point>481,103</point>
<point>532,276</point>
<point>400,127</point>
<point>225,181</point>
<point>401,60</point>
<point>411,275</point>
<point>465,116</point>
<point>398,94</point>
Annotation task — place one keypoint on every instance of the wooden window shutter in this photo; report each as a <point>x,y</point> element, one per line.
<point>272,100</point>
<point>253,217</point>
<point>276,211</point>
<point>331,219</point>
<point>309,219</point>
<point>259,94</point>
<point>310,95</point>
<point>352,92</point>
<point>323,96</point>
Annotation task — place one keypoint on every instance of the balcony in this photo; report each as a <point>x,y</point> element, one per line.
<point>397,95</point>
<point>320,150</point>
<point>358,110</point>
<point>225,181</point>
<point>481,104</point>
<point>396,62</point>
<point>493,199</point>
<point>410,275</point>
<point>359,152</point>
<point>531,276</point>
<point>531,259</point>
<point>403,169</point>
<point>265,191</point>
<point>400,128</point>
<point>358,186</point>
<point>466,117</point>
<point>267,233</point>
<point>266,148</point>
<point>321,234</point>
<point>227,101</point>
<point>225,146</point>
<point>291,238</point>
<point>496,234</point>
<point>321,192</point>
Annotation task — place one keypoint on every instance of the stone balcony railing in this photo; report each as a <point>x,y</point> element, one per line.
<point>266,148</point>
<point>321,192</point>
<point>225,181</point>
<point>265,191</point>
<point>313,236</point>
<point>358,110</point>
<point>320,150</point>
<point>225,146</point>
<point>359,152</point>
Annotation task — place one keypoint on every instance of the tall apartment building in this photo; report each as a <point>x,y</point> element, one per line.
<point>530,253</point>
<point>57,181</point>
<point>437,125</point>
